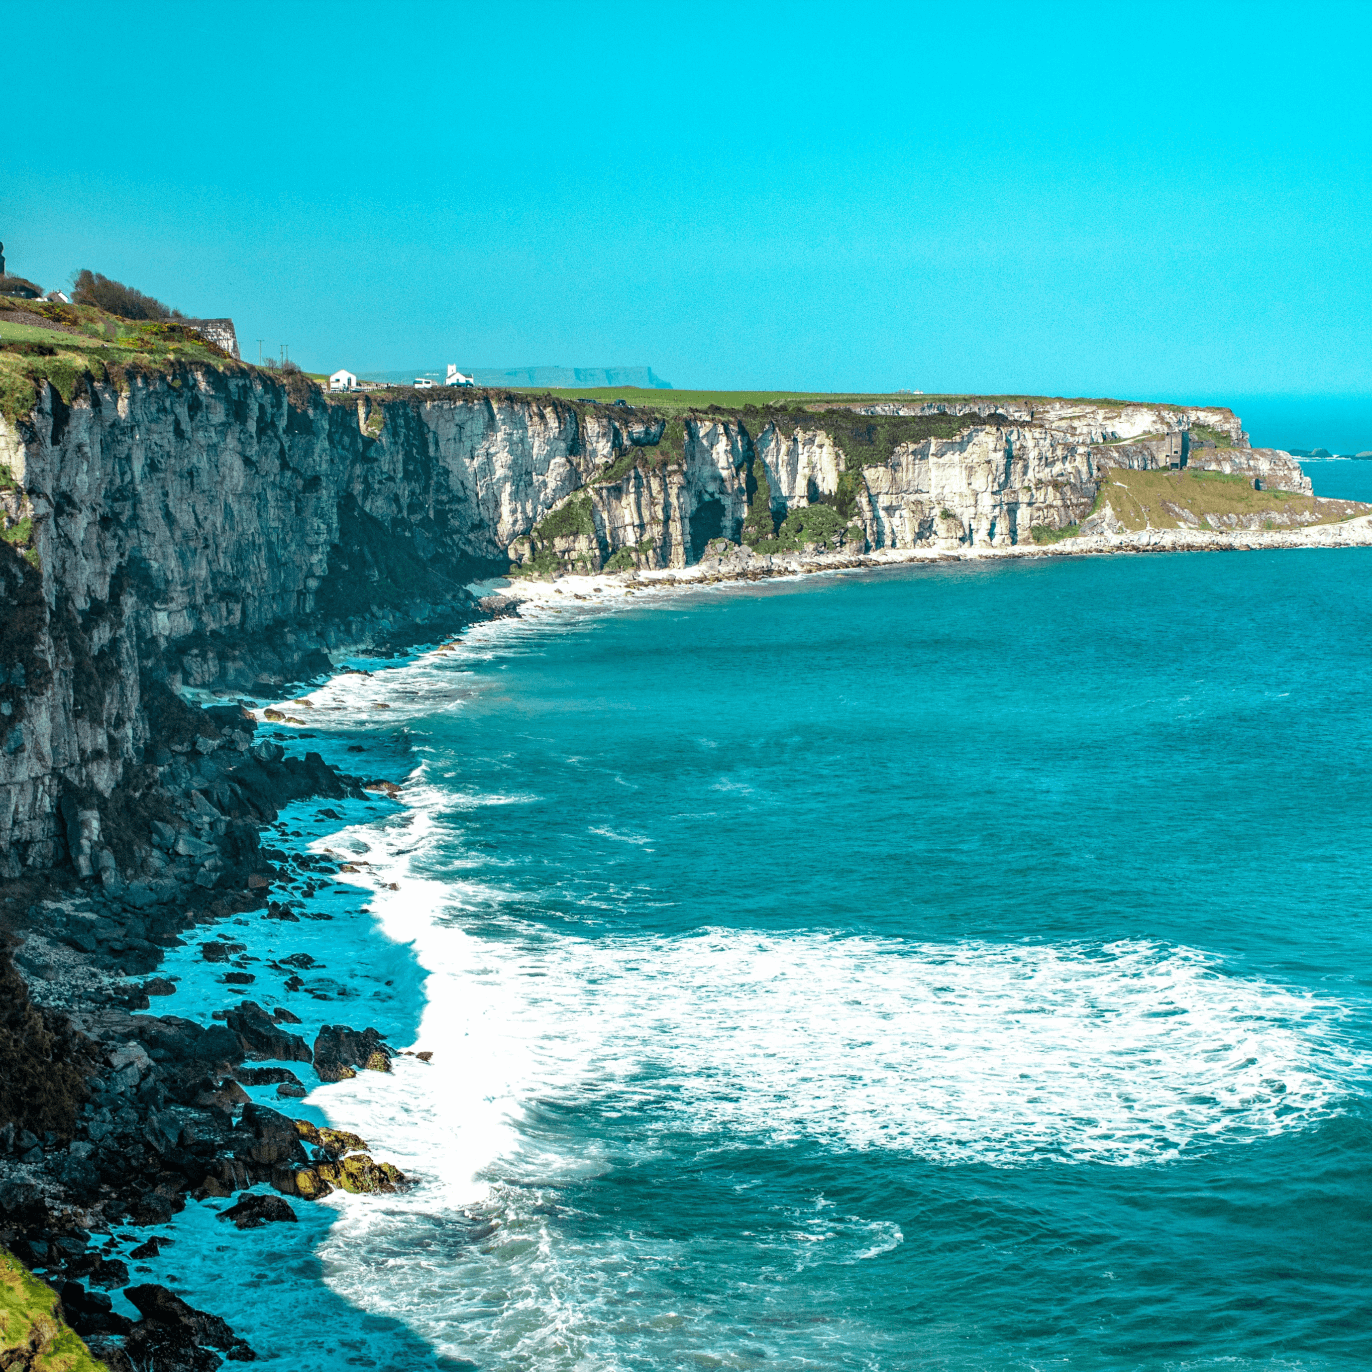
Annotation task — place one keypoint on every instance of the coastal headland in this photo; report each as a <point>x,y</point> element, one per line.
<point>186,536</point>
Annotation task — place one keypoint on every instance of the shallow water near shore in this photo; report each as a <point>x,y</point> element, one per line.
<point>955,967</point>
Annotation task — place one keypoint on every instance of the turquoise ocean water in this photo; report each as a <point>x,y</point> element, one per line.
<point>962,967</point>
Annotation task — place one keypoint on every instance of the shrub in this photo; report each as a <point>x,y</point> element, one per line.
<point>570,519</point>
<point>1041,533</point>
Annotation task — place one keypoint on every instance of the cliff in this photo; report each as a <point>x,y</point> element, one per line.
<point>205,524</point>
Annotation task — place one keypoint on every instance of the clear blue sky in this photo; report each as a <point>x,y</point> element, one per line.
<point>1163,201</point>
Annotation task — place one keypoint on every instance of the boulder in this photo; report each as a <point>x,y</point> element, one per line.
<point>89,1312</point>
<point>228,1097</point>
<point>271,1138</point>
<point>253,1211</point>
<point>309,1185</point>
<point>339,1051</point>
<point>262,1037</point>
<point>334,1142</point>
<point>266,1076</point>
<point>171,1039</point>
<point>175,1337</point>
<point>358,1174</point>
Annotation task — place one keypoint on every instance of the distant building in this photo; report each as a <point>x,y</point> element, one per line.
<point>58,297</point>
<point>456,378</point>
<point>342,380</point>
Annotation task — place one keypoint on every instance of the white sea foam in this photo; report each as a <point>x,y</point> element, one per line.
<point>1128,1053</point>
<point>1005,1055</point>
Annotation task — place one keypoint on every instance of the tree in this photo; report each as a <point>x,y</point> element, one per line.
<point>114,297</point>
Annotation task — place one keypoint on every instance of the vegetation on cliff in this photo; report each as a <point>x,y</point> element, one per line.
<point>1201,499</point>
<point>43,341</point>
<point>118,299</point>
<point>33,1335</point>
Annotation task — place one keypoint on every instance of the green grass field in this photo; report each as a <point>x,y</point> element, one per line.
<point>27,333</point>
<point>676,402</point>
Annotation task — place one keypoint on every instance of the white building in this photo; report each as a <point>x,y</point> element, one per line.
<point>342,381</point>
<point>456,378</point>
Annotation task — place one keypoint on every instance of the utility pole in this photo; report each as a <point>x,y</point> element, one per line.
<point>259,352</point>
<point>281,351</point>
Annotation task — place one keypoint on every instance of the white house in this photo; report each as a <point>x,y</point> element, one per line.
<point>342,381</point>
<point>455,378</point>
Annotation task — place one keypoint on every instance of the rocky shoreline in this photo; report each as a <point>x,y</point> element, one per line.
<point>117,1117</point>
<point>213,534</point>
<point>742,564</point>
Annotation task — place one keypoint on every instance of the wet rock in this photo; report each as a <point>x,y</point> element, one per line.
<point>214,952</point>
<point>266,1076</point>
<point>239,978</point>
<point>272,1138</point>
<point>309,1185</point>
<point>175,1337</point>
<point>228,1097</point>
<point>253,1211</point>
<point>339,1050</point>
<point>334,1142</point>
<point>262,1037</point>
<point>90,1312</point>
<point>283,1016</point>
<point>110,1273</point>
<point>358,1174</point>
<point>150,1249</point>
<point>171,1039</point>
<point>158,986</point>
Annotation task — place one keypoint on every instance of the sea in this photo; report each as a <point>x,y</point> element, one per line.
<point>964,966</point>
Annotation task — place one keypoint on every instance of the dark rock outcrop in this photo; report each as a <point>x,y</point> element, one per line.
<point>262,1037</point>
<point>339,1051</point>
<point>271,1138</point>
<point>253,1211</point>
<point>173,1336</point>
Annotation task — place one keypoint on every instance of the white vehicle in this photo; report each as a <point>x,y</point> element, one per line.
<point>422,383</point>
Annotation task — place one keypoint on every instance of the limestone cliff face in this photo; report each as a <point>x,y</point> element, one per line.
<point>214,526</point>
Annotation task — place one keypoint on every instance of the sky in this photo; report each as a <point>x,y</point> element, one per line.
<point>1144,201</point>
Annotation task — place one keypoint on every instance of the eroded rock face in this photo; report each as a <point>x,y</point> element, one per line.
<point>208,526</point>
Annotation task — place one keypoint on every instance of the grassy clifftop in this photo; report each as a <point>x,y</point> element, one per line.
<point>33,1336</point>
<point>41,341</point>
<point>1200,500</point>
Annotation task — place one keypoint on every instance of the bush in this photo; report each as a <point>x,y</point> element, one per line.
<point>570,519</point>
<point>116,298</point>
